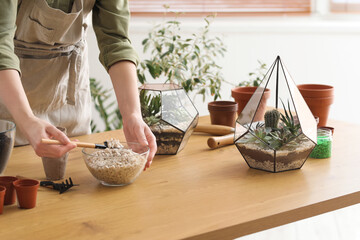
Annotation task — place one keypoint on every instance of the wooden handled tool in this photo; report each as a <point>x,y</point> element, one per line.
<point>214,129</point>
<point>216,142</point>
<point>78,144</point>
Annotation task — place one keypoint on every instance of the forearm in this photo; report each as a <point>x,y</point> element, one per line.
<point>13,96</point>
<point>124,79</point>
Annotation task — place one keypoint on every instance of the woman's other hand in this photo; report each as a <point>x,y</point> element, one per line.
<point>136,130</point>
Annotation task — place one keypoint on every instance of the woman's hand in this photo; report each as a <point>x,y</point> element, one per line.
<point>35,129</point>
<point>136,130</point>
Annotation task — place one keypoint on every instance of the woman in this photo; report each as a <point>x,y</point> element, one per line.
<point>44,79</point>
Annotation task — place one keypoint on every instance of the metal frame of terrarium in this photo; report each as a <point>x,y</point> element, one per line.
<point>262,139</point>
<point>186,132</point>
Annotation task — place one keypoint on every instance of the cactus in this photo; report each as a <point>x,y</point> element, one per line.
<point>272,118</point>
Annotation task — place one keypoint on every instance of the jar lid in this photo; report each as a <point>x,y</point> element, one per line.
<point>324,132</point>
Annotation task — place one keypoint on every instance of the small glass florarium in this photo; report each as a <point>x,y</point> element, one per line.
<point>170,114</point>
<point>282,138</point>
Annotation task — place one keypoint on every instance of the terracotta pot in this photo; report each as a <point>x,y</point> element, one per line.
<point>320,107</point>
<point>223,112</point>
<point>26,191</point>
<point>242,96</point>
<point>316,90</point>
<point>54,168</point>
<point>7,181</point>
<point>319,98</point>
<point>2,196</point>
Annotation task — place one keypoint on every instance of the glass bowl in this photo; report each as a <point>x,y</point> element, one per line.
<point>7,137</point>
<point>116,166</point>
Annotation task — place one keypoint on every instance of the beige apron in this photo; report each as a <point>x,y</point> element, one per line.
<point>53,60</point>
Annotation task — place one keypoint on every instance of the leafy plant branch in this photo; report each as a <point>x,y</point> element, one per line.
<point>187,61</point>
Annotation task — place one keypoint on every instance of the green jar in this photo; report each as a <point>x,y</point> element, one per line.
<point>324,141</point>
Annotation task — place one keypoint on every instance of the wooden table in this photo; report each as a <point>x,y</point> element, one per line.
<point>196,194</point>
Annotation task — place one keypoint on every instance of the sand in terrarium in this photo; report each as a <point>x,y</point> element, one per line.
<point>286,158</point>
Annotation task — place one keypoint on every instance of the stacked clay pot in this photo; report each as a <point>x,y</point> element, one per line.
<point>319,99</point>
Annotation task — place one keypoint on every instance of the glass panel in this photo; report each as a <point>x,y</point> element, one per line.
<point>168,138</point>
<point>188,133</point>
<point>150,106</point>
<point>256,153</point>
<point>293,154</point>
<point>177,109</point>
<point>305,117</point>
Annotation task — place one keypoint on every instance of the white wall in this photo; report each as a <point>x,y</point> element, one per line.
<point>323,50</point>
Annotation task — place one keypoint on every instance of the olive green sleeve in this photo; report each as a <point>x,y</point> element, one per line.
<point>8,59</point>
<point>110,22</point>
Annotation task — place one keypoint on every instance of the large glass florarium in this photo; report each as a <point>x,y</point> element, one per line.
<point>283,137</point>
<point>170,114</point>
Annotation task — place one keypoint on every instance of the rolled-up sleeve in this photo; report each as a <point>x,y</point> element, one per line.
<point>8,59</point>
<point>110,22</point>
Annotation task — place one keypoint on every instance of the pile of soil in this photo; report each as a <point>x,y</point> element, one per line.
<point>168,138</point>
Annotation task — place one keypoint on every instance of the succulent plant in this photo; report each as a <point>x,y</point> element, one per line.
<point>288,120</point>
<point>279,129</point>
<point>272,118</point>
<point>150,107</point>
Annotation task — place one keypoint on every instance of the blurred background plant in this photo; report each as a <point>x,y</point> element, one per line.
<point>189,61</point>
<point>255,77</point>
<point>106,107</point>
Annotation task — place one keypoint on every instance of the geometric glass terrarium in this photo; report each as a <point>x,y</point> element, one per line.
<point>282,138</point>
<point>170,114</point>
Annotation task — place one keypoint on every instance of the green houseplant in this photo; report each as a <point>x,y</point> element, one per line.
<point>188,61</point>
<point>179,64</point>
<point>255,77</point>
<point>105,106</point>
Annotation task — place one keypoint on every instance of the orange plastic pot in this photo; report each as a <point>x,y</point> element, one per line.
<point>2,196</point>
<point>223,112</point>
<point>242,96</point>
<point>7,181</point>
<point>26,192</point>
